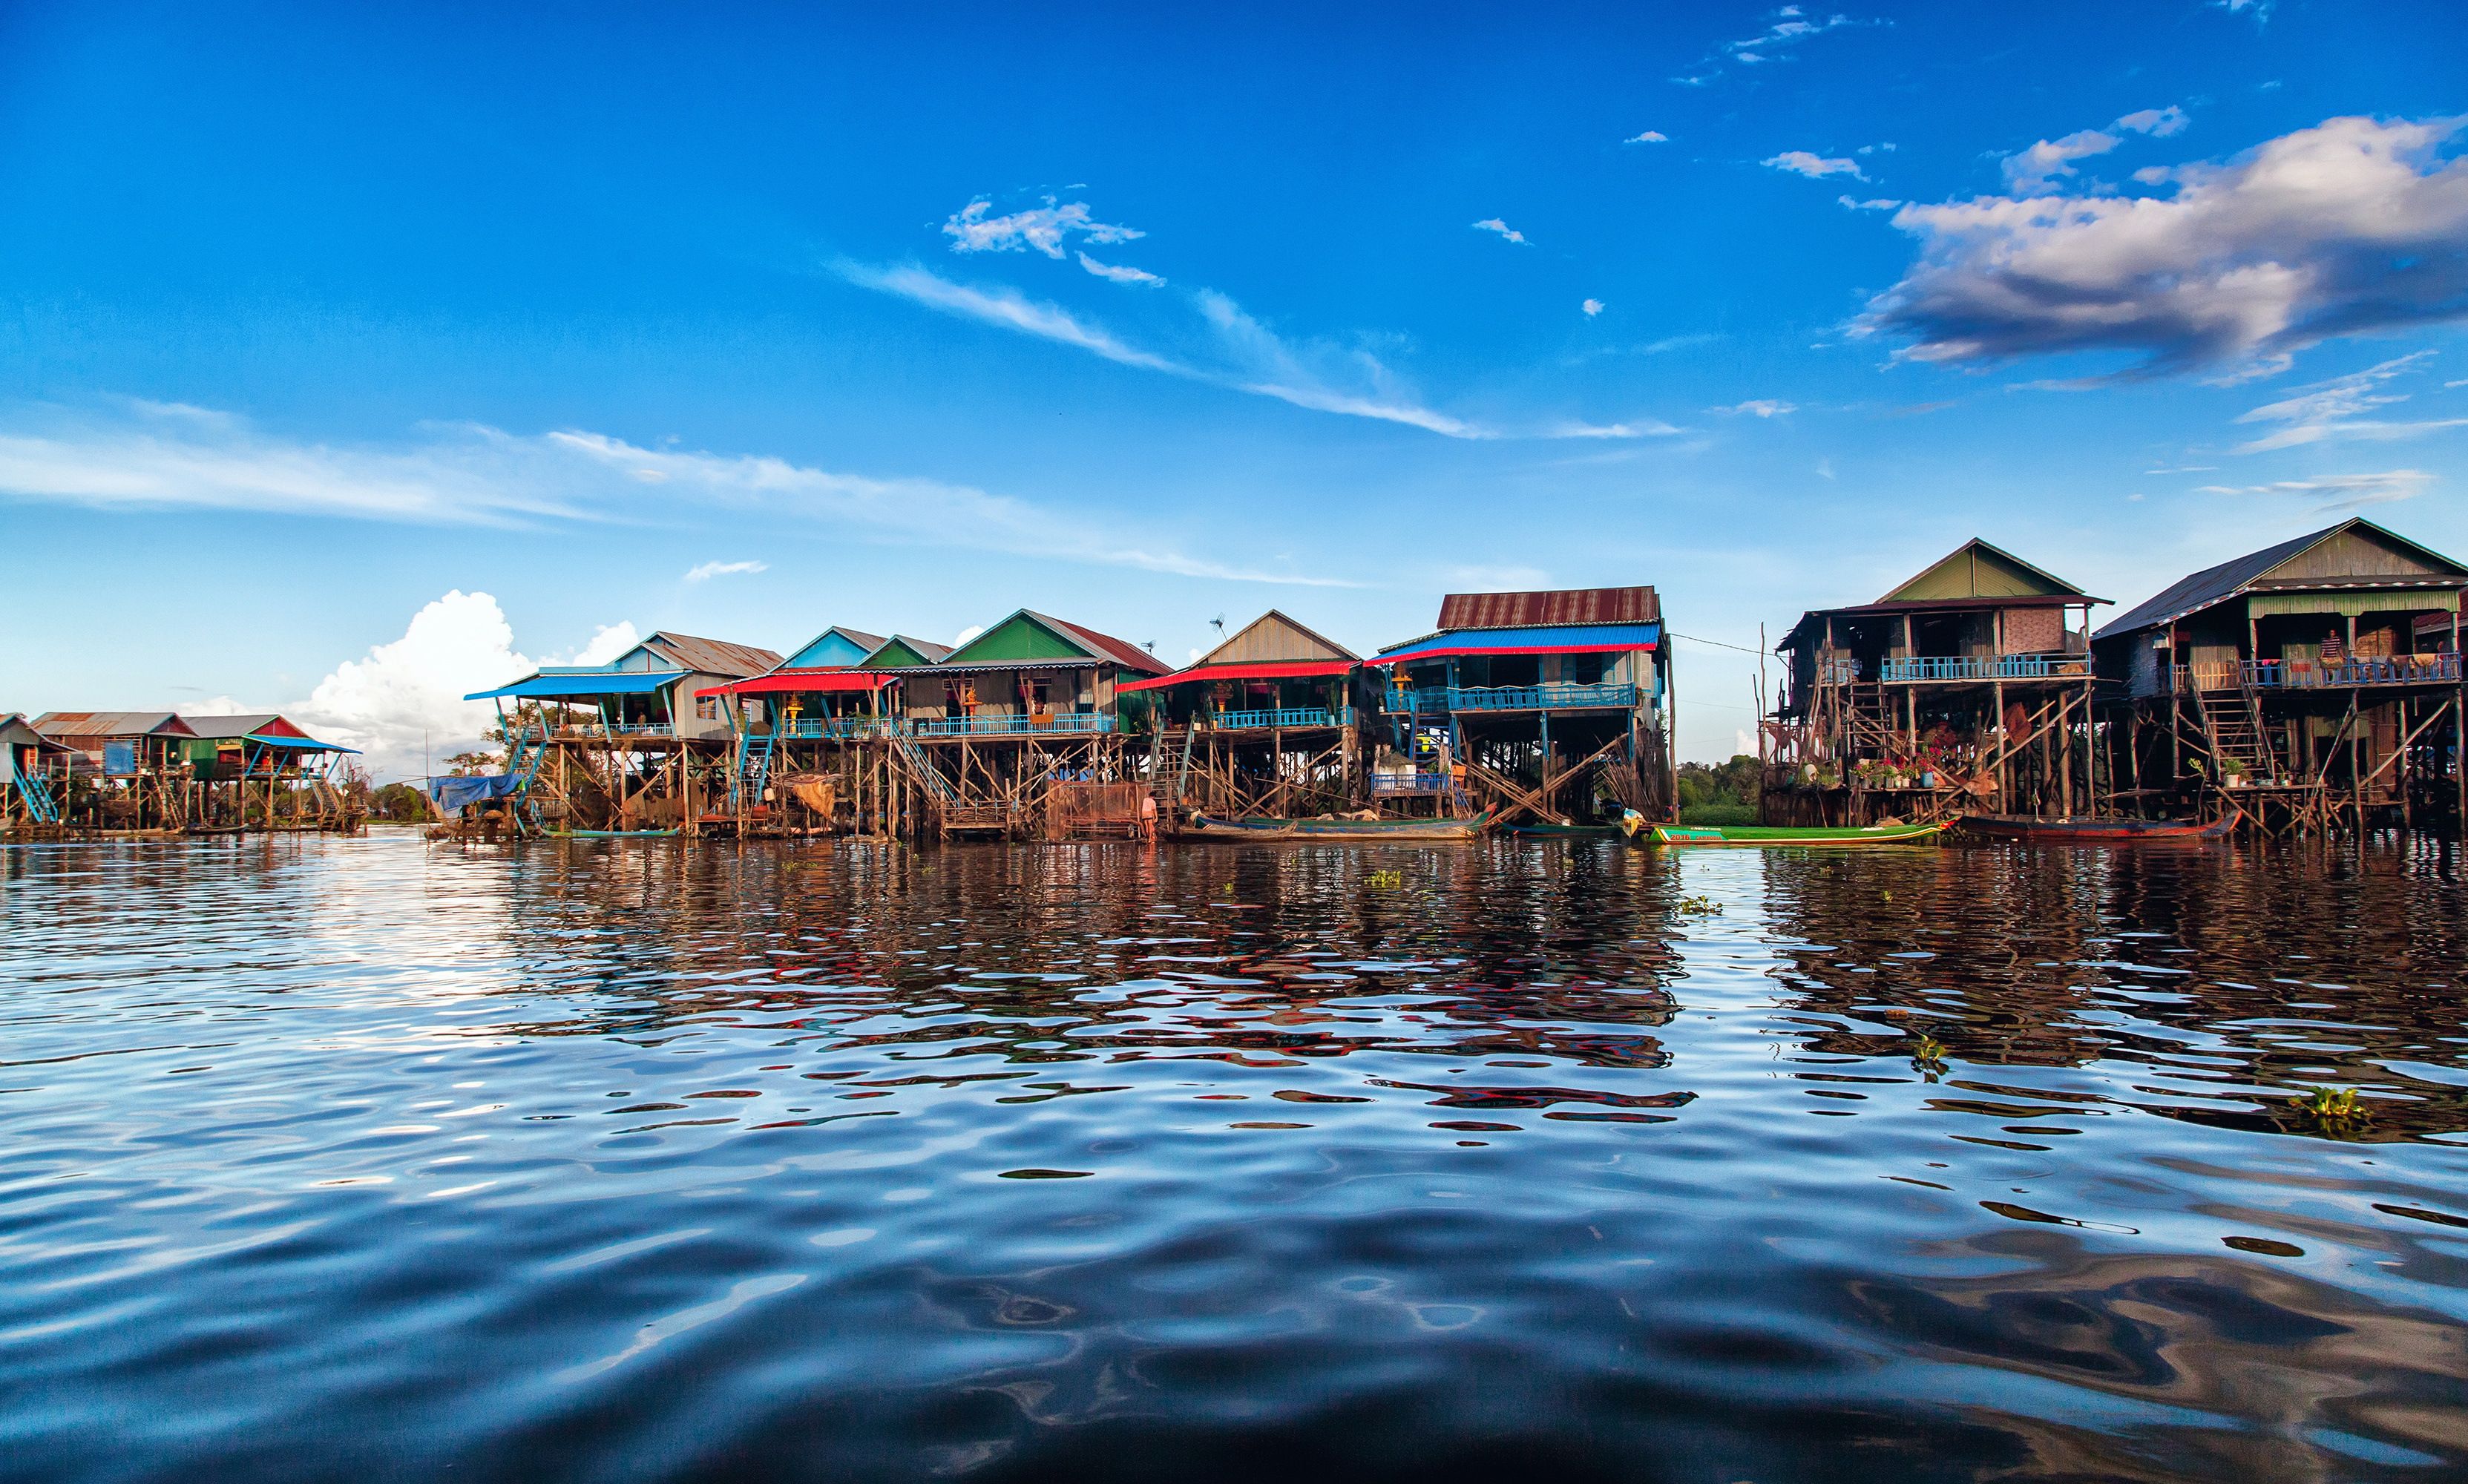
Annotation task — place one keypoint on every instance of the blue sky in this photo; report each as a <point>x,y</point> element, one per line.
<point>315,316</point>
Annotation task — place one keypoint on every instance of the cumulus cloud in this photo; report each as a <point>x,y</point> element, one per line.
<point>1045,229</point>
<point>712,569</point>
<point>1591,308</point>
<point>1799,162</point>
<point>2335,410</point>
<point>1494,224</point>
<point>2158,123</point>
<point>1758,407</point>
<point>2353,226</point>
<point>1652,136</point>
<point>409,692</point>
<point>2035,170</point>
<point>2350,492</point>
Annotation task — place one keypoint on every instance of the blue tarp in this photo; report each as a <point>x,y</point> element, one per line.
<point>582,686</point>
<point>298,744</point>
<point>1548,639</point>
<point>452,793</point>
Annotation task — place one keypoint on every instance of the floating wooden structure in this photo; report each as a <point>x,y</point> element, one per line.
<point>1549,707</point>
<point>629,747</point>
<point>261,771</point>
<point>34,781</point>
<point>1966,689</point>
<point>1266,726</point>
<point>2309,686</point>
<point>89,774</point>
<point>126,772</point>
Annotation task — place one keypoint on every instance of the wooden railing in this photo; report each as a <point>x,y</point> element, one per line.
<point>1282,717</point>
<point>1982,667</point>
<point>1015,724</point>
<point>2314,675</point>
<point>1524,697</point>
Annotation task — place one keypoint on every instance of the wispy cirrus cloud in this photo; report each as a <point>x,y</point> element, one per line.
<point>2354,226</point>
<point>1048,229</point>
<point>1226,346</point>
<point>1785,29</point>
<point>1759,407</point>
<point>138,458</point>
<point>2037,169</point>
<point>2348,491</point>
<point>2336,410</point>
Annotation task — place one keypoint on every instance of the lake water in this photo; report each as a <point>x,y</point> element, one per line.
<point>379,1159</point>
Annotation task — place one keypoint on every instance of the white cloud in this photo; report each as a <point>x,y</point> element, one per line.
<point>1004,307</point>
<point>1881,204</point>
<point>1652,136</point>
<point>1649,427</point>
<point>1762,407</point>
<point>2335,410</point>
<point>409,692</point>
<point>608,641</point>
<point>2158,123</point>
<point>2354,226</point>
<point>2350,491</point>
<point>1044,229</point>
<point>1591,308</point>
<point>1825,468</point>
<point>1800,161</point>
<point>966,635</point>
<point>712,569</point>
<point>2036,169</point>
<point>1120,273</point>
<point>1791,26</point>
<point>1494,224</point>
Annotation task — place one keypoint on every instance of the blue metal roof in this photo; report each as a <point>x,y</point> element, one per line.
<point>582,686</point>
<point>1539,639</point>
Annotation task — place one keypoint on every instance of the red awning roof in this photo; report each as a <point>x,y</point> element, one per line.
<point>1270,670</point>
<point>801,680</point>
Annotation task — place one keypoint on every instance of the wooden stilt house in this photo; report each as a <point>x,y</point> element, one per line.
<point>1264,724</point>
<point>33,779</point>
<point>1966,689</point>
<point>2309,685</point>
<point>627,748</point>
<point>1544,707</point>
<point>129,771</point>
<point>264,771</point>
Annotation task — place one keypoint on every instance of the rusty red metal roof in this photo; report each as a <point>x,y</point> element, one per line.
<point>1569,605</point>
<point>1121,652</point>
<point>112,724</point>
<point>710,657</point>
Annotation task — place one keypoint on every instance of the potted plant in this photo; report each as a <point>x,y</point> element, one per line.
<point>2232,773</point>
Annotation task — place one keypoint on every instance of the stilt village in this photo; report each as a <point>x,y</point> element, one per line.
<point>2310,689</point>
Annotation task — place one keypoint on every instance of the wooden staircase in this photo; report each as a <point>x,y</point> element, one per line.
<point>2233,728</point>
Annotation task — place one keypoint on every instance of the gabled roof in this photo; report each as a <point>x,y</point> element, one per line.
<point>264,723</point>
<point>706,656</point>
<point>1271,639</point>
<point>857,639</point>
<point>900,651</point>
<point>1569,605</point>
<point>1026,639</point>
<point>2255,569</point>
<point>15,731</point>
<point>97,726</point>
<point>1975,569</point>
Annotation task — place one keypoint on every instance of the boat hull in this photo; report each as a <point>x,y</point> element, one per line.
<point>1788,834</point>
<point>1205,827</point>
<point>2093,832</point>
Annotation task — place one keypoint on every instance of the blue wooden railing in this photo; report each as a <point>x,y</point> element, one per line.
<point>1385,782</point>
<point>2314,675</point>
<point>1523,698</point>
<point>1015,724</point>
<point>1288,716</point>
<point>1982,667</point>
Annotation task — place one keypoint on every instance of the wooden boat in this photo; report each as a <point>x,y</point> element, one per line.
<point>2094,832</point>
<point>1261,827</point>
<point>1779,835</point>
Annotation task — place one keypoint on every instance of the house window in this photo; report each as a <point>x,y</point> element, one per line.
<point>1584,669</point>
<point>707,708</point>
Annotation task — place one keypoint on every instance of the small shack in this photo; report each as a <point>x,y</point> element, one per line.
<point>1267,723</point>
<point>130,772</point>
<point>34,778</point>
<point>263,771</point>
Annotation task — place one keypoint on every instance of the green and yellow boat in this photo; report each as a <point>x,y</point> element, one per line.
<point>1638,830</point>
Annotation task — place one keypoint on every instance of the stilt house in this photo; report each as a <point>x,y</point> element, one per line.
<point>1263,724</point>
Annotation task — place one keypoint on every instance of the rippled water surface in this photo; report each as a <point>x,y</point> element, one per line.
<point>377,1159</point>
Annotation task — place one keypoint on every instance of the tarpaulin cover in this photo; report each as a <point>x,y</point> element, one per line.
<point>801,680</point>
<point>1552,639</point>
<point>452,793</point>
<point>578,687</point>
<point>1266,670</point>
<point>297,744</point>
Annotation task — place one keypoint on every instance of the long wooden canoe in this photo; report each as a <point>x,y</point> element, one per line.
<point>1260,827</point>
<point>1795,835</point>
<point>2094,832</point>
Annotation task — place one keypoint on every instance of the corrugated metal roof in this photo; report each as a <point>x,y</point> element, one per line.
<point>231,726</point>
<point>582,686</point>
<point>1121,652</point>
<point>710,657</point>
<point>112,724</point>
<point>1538,639</point>
<point>15,731</point>
<point>1530,611</point>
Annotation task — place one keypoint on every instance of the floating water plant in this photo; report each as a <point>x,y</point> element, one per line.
<point>1700,906</point>
<point>1927,1056</point>
<point>1384,879</point>
<point>2334,1108</point>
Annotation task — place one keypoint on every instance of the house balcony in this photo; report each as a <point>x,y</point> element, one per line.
<point>1921,668</point>
<point>2272,674</point>
<point>1525,698</point>
<point>818,728</point>
<point>1286,718</point>
<point>1396,782</point>
<point>1052,723</point>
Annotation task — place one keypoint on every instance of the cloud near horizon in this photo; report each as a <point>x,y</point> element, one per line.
<point>2350,492</point>
<point>2353,226</point>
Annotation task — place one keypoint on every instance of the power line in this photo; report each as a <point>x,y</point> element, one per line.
<point>1716,643</point>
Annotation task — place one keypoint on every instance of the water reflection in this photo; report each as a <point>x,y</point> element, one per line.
<point>833,1161</point>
